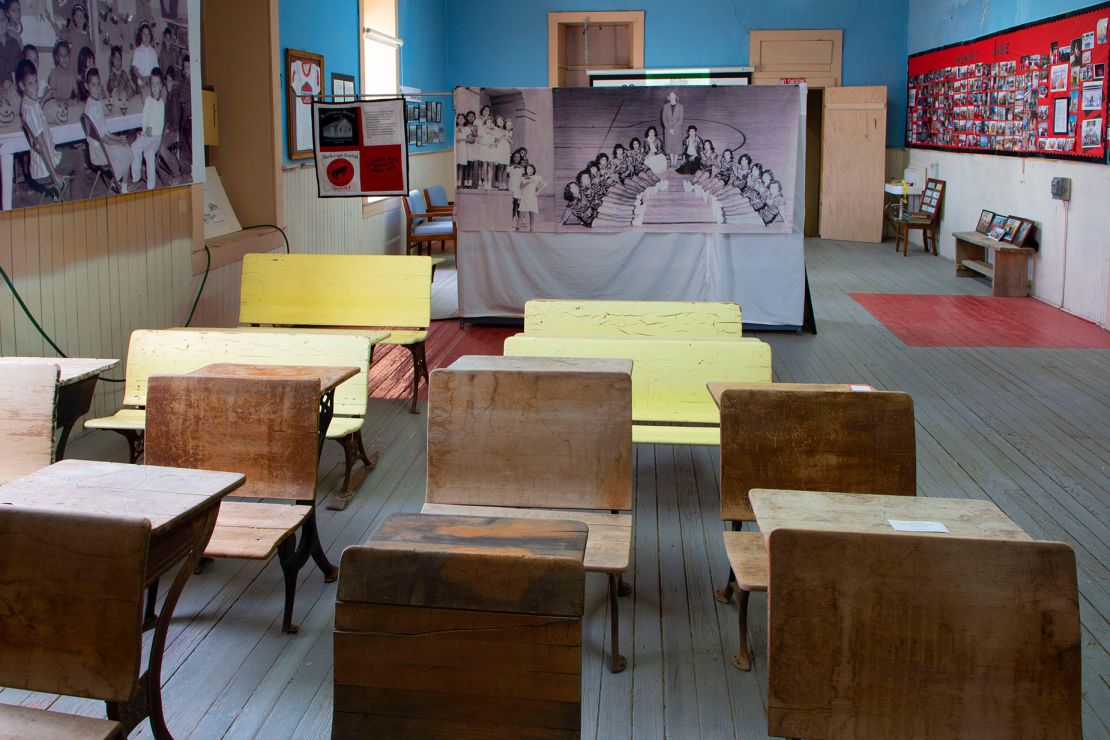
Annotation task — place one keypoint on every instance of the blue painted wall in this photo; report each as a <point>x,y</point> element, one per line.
<point>327,27</point>
<point>934,23</point>
<point>504,42</point>
<point>422,26</point>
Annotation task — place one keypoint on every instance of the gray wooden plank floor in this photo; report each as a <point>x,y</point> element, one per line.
<point>1026,428</point>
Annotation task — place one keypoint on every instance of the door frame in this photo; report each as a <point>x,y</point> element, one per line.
<point>633,18</point>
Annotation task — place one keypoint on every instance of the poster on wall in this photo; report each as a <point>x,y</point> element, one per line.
<point>1034,90</point>
<point>96,98</point>
<point>360,148</point>
<point>691,159</point>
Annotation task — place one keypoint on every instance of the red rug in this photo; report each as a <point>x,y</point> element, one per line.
<point>391,374</point>
<point>981,321</point>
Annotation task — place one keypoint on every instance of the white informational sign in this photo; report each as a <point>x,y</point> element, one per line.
<point>912,525</point>
<point>219,216</point>
<point>360,148</point>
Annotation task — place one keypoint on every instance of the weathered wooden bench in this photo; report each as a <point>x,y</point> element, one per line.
<point>808,438</point>
<point>343,291</point>
<point>669,402</point>
<point>632,319</point>
<point>910,635</point>
<point>178,351</point>
<point>28,403</point>
<point>72,590</point>
<point>461,627</point>
<point>266,429</point>
<point>542,438</point>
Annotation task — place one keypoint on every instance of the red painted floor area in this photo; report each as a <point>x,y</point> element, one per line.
<point>391,375</point>
<point>980,321</point>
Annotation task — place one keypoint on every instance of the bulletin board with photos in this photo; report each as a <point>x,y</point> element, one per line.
<point>1034,90</point>
<point>424,122</point>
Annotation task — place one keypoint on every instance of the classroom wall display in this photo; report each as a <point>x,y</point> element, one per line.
<point>690,159</point>
<point>1033,90</point>
<point>304,83</point>
<point>360,148</point>
<point>97,98</point>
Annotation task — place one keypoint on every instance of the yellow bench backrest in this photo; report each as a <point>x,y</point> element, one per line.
<point>632,319</point>
<point>336,290</point>
<point>180,351</point>
<point>668,375</point>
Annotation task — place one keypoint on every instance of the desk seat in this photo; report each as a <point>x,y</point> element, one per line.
<point>251,530</point>
<point>747,556</point>
<point>675,435</point>
<point>25,722</point>
<point>405,337</point>
<point>124,419</point>
<point>437,227</point>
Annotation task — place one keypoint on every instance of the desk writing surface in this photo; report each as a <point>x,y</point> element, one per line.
<point>73,369</point>
<point>718,389</point>
<point>329,377</point>
<point>853,512</point>
<point>162,495</point>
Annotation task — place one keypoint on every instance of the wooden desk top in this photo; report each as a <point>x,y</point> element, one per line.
<point>74,369</point>
<point>329,377</point>
<point>983,241</point>
<point>162,495</point>
<point>494,363</point>
<point>854,512</point>
<point>718,389</point>
<point>374,335</point>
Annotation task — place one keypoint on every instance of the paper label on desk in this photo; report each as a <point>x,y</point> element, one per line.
<point>860,388</point>
<point>912,525</point>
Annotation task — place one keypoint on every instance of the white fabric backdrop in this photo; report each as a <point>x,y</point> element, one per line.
<point>764,273</point>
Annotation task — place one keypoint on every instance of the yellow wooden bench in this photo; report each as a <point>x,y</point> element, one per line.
<point>28,400</point>
<point>669,402</point>
<point>632,319</point>
<point>181,351</point>
<point>343,291</point>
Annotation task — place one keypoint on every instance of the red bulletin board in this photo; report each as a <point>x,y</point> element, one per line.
<point>1034,90</point>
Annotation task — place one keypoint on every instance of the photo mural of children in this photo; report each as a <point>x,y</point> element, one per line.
<point>11,39</point>
<point>514,174</point>
<point>105,148</point>
<point>149,141</point>
<point>530,187</point>
<point>462,150</point>
<point>48,168</point>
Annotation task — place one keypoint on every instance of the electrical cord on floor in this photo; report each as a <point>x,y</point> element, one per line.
<point>271,226</point>
<point>56,348</point>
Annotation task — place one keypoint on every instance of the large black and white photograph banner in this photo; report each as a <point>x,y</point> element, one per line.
<point>690,159</point>
<point>97,98</point>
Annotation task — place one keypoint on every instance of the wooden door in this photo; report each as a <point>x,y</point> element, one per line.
<point>812,56</point>
<point>615,40</point>
<point>853,163</point>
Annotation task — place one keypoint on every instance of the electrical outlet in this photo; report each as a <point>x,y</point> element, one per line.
<point>1061,188</point>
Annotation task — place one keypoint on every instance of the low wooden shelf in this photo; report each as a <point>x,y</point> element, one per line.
<point>1009,275</point>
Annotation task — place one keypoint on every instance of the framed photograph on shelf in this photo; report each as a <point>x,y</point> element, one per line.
<point>342,87</point>
<point>304,75</point>
<point>1013,223</point>
<point>998,227</point>
<point>985,219</point>
<point>1022,234</point>
<point>439,112</point>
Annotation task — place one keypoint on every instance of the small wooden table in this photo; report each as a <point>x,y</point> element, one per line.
<point>181,505</point>
<point>1010,274</point>
<point>76,387</point>
<point>857,512</point>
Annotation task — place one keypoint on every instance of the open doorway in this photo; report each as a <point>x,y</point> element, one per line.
<point>580,41</point>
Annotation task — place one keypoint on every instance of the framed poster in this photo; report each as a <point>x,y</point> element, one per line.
<point>360,148</point>
<point>304,83</point>
<point>342,87</point>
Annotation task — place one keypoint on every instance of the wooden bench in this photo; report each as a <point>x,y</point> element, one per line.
<point>266,429</point>
<point>1009,275</point>
<point>72,590</point>
<point>461,627</point>
<point>179,351</point>
<point>343,291</point>
<point>28,403</point>
<point>509,437</point>
<point>669,402</point>
<point>632,319</point>
<point>803,437</point>
<point>921,635</point>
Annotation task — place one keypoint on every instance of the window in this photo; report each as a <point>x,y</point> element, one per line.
<point>379,64</point>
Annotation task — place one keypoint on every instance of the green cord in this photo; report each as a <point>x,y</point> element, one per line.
<point>203,280</point>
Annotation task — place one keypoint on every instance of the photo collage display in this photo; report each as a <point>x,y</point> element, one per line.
<point>1037,90</point>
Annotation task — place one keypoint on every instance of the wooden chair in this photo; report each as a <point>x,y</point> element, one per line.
<point>669,402</point>
<point>436,198</point>
<point>919,635</point>
<point>450,626</point>
<point>926,220</point>
<point>72,590</point>
<point>632,319</point>
<point>264,429</point>
<point>422,227</point>
<point>804,438</point>
<point>538,437</point>
<point>28,404</point>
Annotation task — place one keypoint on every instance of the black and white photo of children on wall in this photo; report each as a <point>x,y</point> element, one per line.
<point>504,159</point>
<point>96,98</point>
<point>719,159</point>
